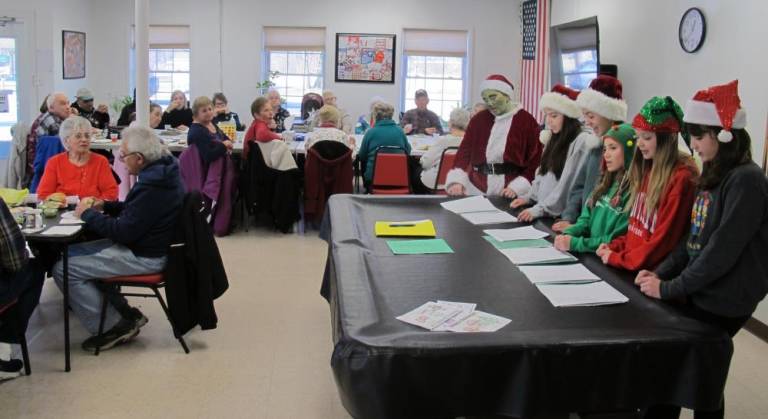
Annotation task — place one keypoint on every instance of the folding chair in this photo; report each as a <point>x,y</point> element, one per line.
<point>22,339</point>
<point>446,164</point>
<point>390,171</point>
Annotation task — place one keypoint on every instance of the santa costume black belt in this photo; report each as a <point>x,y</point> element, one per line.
<point>495,168</point>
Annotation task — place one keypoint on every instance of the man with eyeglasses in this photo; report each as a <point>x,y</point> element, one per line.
<point>137,234</point>
<point>83,106</point>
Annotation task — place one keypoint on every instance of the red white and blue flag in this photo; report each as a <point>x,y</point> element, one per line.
<point>534,74</point>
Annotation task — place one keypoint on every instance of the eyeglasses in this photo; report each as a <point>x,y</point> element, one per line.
<point>122,156</point>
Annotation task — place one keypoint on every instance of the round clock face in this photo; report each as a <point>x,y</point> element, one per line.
<point>692,30</point>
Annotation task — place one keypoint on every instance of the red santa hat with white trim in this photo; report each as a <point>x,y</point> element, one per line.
<point>717,106</point>
<point>497,82</point>
<point>604,97</point>
<point>561,99</point>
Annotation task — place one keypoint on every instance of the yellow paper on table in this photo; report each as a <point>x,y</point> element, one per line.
<point>419,228</point>
<point>13,197</point>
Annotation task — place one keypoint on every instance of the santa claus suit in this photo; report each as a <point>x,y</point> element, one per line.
<point>511,138</point>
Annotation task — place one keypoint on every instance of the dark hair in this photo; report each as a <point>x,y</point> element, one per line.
<point>729,155</point>
<point>220,97</point>
<point>556,151</point>
<point>44,106</point>
<point>258,105</point>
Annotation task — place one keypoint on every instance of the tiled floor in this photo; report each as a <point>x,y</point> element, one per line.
<point>268,359</point>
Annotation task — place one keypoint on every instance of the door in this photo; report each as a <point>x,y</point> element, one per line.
<point>10,43</point>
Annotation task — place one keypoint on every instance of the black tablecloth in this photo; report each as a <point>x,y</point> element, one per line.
<point>548,359</point>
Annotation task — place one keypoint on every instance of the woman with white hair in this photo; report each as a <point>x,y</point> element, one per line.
<point>177,114</point>
<point>385,132</point>
<point>77,171</point>
<point>430,161</point>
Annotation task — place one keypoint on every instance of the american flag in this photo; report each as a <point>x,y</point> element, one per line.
<point>534,74</point>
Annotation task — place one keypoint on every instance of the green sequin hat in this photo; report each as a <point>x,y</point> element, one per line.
<point>661,115</point>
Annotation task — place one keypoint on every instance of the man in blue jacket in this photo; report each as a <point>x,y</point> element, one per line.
<point>137,234</point>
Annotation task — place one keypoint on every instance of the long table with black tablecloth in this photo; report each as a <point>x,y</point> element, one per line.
<point>547,360</point>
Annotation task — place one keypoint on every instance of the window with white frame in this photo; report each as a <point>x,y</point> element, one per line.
<point>436,61</point>
<point>169,62</point>
<point>297,57</point>
<point>575,59</point>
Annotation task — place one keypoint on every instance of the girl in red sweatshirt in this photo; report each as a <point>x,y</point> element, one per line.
<point>662,184</point>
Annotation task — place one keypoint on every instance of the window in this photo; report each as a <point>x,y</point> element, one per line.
<point>579,68</point>
<point>169,63</point>
<point>575,54</point>
<point>168,71</point>
<point>297,56</point>
<point>436,61</point>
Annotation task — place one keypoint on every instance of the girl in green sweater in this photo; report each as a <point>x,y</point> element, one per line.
<point>604,217</point>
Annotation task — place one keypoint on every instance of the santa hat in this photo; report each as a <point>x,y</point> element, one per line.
<point>661,115</point>
<point>497,82</point>
<point>625,135</point>
<point>561,99</point>
<point>717,106</point>
<point>604,97</point>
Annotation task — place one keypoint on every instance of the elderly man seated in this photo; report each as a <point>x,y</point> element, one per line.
<point>83,105</point>
<point>421,120</point>
<point>137,234</point>
<point>47,124</point>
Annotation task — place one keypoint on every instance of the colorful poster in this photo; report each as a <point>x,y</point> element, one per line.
<point>365,58</point>
<point>73,54</point>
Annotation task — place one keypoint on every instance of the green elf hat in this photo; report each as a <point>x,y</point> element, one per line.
<point>625,135</point>
<point>662,115</point>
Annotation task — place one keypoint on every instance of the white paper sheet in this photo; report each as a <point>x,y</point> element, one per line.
<point>477,203</point>
<point>466,310</point>
<point>533,256</point>
<point>430,315</point>
<point>519,233</point>
<point>481,322</point>
<point>71,221</point>
<point>592,294</point>
<point>488,217</point>
<point>62,230</point>
<point>559,274</point>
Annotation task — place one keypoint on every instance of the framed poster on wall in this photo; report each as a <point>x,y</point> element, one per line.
<point>73,54</point>
<point>365,58</point>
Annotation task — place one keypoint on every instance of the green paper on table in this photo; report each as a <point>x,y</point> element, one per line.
<point>517,244</point>
<point>419,247</point>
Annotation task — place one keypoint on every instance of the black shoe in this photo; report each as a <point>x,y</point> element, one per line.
<point>138,317</point>
<point>10,369</point>
<point>122,332</point>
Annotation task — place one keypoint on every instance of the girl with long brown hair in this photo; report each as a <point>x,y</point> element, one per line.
<point>662,186</point>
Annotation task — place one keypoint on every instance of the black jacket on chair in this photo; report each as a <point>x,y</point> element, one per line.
<point>194,273</point>
<point>275,192</point>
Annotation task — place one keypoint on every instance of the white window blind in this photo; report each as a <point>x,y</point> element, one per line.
<point>573,39</point>
<point>292,38</point>
<point>446,43</point>
<point>165,36</point>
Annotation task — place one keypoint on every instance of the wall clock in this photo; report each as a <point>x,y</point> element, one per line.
<point>693,29</point>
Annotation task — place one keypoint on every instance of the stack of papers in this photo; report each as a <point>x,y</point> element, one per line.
<point>62,230</point>
<point>575,273</point>
<point>478,210</point>
<point>575,295</point>
<point>418,228</point>
<point>537,256</point>
<point>517,244</point>
<point>419,247</point>
<point>520,233</point>
<point>453,317</point>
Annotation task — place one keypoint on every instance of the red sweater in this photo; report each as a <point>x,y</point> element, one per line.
<point>93,179</point>
<point>650,239</point>
<point>259,131</point>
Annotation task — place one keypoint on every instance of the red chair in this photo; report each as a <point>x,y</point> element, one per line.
<point>446,164</point>
<point>390,172</point>
<point>22,339</point>
<point>151,281</point>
